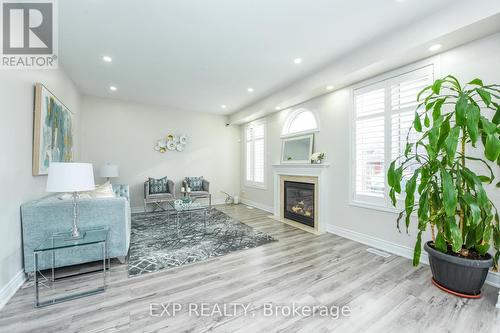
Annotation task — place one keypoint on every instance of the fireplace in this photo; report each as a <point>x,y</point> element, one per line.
<point>299,202</point>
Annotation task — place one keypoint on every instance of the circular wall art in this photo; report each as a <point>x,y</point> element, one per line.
<point>171,142</point>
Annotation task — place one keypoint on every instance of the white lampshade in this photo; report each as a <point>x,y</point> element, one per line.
<point>109,170</point>
<point>70,177</point>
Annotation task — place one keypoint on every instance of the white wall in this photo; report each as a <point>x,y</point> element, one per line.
<point>477,59</point>
<point>16,141</point>
<point>125,134</point>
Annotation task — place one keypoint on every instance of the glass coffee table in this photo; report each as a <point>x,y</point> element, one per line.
<point>186,207</point>
<point>59,242</point>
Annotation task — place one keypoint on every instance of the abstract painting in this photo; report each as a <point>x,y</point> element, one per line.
<point>52,133</point>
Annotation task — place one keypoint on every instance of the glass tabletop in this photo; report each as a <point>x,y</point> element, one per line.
<point>180,205</point>
<point>63,239</point>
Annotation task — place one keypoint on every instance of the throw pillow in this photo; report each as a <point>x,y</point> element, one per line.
<point>103,191</point>
<point>157,186</point>
<point>195,183</point>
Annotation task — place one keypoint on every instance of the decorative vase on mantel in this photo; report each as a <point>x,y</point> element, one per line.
<point>317,158</point>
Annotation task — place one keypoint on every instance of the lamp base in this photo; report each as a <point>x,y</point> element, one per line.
<point>71,236</point>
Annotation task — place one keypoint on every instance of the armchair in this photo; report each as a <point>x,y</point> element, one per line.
<point>204,192</point>
<point>157,198</point>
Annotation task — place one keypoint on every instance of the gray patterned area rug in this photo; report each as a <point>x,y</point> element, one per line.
<point>156,245</point>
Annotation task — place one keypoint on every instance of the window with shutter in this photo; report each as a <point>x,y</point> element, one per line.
<point>384,112</point>
<point>255,154</point>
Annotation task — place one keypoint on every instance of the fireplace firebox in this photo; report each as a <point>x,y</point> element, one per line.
<point>299,202</point>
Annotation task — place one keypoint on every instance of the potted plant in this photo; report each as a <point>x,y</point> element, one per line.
<point>457,126</point>
<point>317,158</point>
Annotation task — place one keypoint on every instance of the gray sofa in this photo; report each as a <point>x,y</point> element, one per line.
<point>41,218</point>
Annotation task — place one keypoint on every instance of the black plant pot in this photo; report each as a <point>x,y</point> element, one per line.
<point>460,276</point>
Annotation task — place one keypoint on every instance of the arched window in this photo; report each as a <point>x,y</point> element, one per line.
<point>300,121</point>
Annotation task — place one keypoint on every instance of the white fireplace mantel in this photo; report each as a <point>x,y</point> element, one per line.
<point>306,170</point>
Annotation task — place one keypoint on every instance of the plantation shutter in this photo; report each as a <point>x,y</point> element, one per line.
<point>255,154</point>
<point>369,144</point>
<point>404,90</point>
<point>384,112</point>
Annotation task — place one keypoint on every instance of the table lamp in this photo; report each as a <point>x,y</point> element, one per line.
<point>108,170</point>
<point>71,177</point>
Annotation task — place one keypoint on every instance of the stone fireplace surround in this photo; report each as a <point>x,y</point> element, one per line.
<point>307,173</point>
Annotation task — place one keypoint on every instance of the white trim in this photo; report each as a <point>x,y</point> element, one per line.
<point>284,136</point>
<point>259,185</point>
<point>291,117</point>
<point>11,287</point>
<point>323,190</point>
<point>381,81</point>
<point>267,208</point>
<point>292,138</point>
<point>368,205</point>
<point>492,279</point>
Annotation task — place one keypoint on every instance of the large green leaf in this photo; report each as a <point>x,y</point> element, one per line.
<point>411,185</point>
<point>436,87</point>
<point>492,147</point>
<point>398,175</point>
<point>434,138</point>
<point>436,113</point>
<point>484,246</point>
<point>488,126</point>
<point>477,82</point>
<point>423,208</point>
<point>461,110</point>
<point>472,122</point>
<point>496,117</point>
<point>455,236</point>
<point>418,249</point>
<point>475,211</point>
<point>451,144</point>
<point>474,182</point>
<point>417,124</point>
<point>427,121</point>
<point>449,193</point>
<point>440,243</point>
<point>485,96</point>
<point>443,132</point>
<point>390,174</point>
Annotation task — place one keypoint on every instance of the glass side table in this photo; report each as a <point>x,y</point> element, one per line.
<point>180,209</point>
<point>61,241</point>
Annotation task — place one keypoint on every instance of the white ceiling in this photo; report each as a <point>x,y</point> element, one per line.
<point>198,55</point>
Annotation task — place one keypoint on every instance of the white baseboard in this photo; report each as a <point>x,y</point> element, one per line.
<point>10,288</point>
<point>492,279</point>
<point>140,209</point>
<point>269,209</point>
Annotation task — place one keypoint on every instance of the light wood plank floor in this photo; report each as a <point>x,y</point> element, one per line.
<point>383,294</point>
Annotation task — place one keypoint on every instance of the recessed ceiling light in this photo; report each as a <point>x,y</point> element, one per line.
<point>297,61</point>
<point>435,47</point>
<point>112,88</point>
<point>250,90</point>
<point>223,106</point>
<point>278,108</point>
<point>330,87</point>
<point>107,59</point>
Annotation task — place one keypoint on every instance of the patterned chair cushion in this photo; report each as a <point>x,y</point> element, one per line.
<point>195,183</point>
<point>158,186</point>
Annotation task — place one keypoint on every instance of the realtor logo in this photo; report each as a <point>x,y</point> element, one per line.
<point>28,34</point>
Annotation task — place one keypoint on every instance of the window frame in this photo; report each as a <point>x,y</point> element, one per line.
<point>291,117</point>
<point>385,80</point>
<point>253,183</point>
